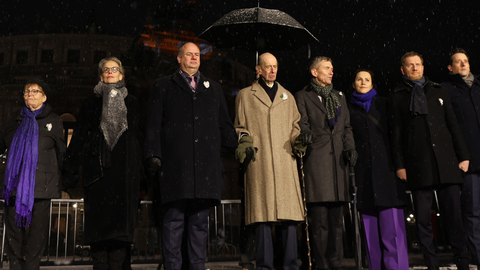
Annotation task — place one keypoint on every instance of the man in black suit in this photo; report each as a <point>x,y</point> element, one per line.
<point>188,122</point>
<point>429,152</point>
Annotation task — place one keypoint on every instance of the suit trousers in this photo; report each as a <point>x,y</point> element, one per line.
<point>326,227</point>
<point>451,214</point>
<point>35,240</point>
<point>386,238</point>
<point>263,233</point>
<point>191,215</point>
<point>471,213</point>
<point>109,254</point>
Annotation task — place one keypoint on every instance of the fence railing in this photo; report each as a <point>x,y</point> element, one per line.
<point>65,240</point>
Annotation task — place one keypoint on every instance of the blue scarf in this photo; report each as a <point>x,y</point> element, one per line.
<point>21,167</point>
<point>418,100</point>
<point>364,100</point>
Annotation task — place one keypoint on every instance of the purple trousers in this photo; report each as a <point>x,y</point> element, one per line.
<point>386,238</point>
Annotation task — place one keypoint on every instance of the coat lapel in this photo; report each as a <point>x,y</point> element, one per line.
<point>178,79</point>
<point>261,94</point>
<point>314,98</point>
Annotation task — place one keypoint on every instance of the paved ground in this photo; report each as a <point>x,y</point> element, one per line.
<point>415,260</point>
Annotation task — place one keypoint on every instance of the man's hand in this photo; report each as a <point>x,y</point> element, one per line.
<point>307,137</point>
<point>464,165</point>
<point>154,164</point>
<point>350,157</point>
<point>402,174</point>
<point>245,149</point>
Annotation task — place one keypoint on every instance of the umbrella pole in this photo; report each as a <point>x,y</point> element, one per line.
<point>300,154</point>
<point>356,219</point>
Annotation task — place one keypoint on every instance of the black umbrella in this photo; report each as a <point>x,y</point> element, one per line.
<point>258,29</point>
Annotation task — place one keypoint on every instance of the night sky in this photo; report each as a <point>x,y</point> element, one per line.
<point>355,34</point>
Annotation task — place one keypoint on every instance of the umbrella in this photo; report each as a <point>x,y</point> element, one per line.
<point>258,29</point>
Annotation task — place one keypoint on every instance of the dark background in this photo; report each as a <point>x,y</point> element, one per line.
<point>355,34</point>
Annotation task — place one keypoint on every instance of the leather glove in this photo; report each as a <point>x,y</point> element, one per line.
<point>350,157</point>
<point>245,149</point>
<point>299,146</point>
<point>154,164</point>
<point>307,137</point>
<point>68,180</point>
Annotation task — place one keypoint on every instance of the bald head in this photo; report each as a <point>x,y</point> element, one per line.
<point>267,68</point>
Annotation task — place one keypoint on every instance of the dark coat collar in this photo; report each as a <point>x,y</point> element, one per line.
<point>406,86</point>
<point>180,80</point>
<point>457,79</point>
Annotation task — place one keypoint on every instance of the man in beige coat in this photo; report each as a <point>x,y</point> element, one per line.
<point>267,119</point>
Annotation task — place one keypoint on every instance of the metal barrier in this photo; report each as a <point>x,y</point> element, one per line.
<point>65,239</point>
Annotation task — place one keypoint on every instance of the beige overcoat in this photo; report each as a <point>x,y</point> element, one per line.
<point>272,189</point>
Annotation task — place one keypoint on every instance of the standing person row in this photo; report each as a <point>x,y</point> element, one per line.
<point>35,142</point>
<point>326,129</point>
<point>464,90</point>
<point>187,125</point>
<point>107,142</point>
<point>429,152</point>
<point>380,195</point>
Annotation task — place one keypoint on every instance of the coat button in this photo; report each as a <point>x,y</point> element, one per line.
<point>196,117</point>
<point>433,145</point>
<point>194,98</point>
<point>196,140</point>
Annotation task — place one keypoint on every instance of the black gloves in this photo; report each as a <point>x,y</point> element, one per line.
<point>350,157</point>
<point>303,140</point>
<point>245,149</point>
<point>154,164</point>
<point>68,180</point>
<point>307,137</point>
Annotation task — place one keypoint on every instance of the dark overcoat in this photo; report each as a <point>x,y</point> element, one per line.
<point>430,146</point>
<point>186,130</point>
<point>375,176</point>
<point>326,174</point>
<point>51,149</point>
<point>466,104</point>
<point>111,178</point>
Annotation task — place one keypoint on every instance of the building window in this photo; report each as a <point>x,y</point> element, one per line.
<point>2,57</point>
<point>99,55</point>
<point>47,56</point>
<point>73,56</point>
<point>22,57</point>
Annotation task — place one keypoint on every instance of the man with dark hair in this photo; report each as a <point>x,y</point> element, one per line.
<point>267,119</point>
<point>188,122</point>
<point>326,128</point>
<point>464,90</point>
<point>429,152</point>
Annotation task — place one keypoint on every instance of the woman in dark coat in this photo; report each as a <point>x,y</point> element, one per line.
<point>381,195</point>
<point>35,143</point>
<point>106,143</point>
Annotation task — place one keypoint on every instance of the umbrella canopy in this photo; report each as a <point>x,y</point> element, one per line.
<point>258,29</point>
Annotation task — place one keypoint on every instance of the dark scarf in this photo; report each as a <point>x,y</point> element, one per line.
<point>271,91</point>
<point>114,111</point>
<point>332,104</point>
<point>418,100</point>
<point>364,100</point>
<point>22,166</point>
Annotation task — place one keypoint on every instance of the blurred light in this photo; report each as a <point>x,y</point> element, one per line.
<point>411,215</point>
<point>409,219</point>
<point>438,214</point>
<point>74,205</point>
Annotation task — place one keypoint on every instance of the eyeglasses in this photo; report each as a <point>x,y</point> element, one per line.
<point>113,69</point>
<point>33,92</point>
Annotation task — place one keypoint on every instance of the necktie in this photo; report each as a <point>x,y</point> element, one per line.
<point>193,83</point>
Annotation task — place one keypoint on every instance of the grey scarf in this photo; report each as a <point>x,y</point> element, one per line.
<point>332,104</point>
<point>114,111</point>
<point>469,80</point>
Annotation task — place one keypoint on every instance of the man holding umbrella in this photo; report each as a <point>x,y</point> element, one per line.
<point>267,119</point>
<point>325,125</point>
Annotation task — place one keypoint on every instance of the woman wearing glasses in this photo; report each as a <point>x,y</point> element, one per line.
<point>106,143</point>
<point>35,143</point>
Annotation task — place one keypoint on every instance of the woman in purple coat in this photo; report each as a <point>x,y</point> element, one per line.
<point>381,195</point>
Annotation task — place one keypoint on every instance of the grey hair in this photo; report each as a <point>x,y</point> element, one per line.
<point>102,63</point>
<point>181,47</point>
<point>315,63</point>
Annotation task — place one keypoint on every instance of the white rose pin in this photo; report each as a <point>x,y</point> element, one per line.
<point>340,94</point>
<point>48,126</point>
<point>113,93</point>
<point>206,84</point>
<point>440,101</point>
<point>284,96</point>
